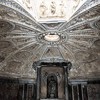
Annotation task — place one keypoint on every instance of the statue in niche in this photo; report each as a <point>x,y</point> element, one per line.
<point>53,8</point>
<point>75,4</point>
<point>52,87</point>
<point>27,4</point>
<point>61,6</point>
<point>43,9</point>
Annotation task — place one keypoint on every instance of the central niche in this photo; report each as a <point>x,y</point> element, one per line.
<point>52,82</point>
<point>52,86</point>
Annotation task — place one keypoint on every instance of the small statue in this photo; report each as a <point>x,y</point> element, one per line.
<point>61,6</point>
<point>27,3</point>
<point>43,9</point>
<point>53,8</point>
<point>52,87</point>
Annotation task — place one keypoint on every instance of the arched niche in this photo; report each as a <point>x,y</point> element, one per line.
<point>52,86</point>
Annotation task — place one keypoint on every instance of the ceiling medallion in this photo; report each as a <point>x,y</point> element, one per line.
<point>52,38</point>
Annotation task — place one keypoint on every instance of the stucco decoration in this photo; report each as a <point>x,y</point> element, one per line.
<point>6,26</point>
<point>22,40</point>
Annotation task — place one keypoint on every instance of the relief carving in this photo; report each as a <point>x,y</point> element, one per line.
<point>22,37</point>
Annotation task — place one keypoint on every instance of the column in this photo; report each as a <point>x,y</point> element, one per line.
<point>20,95</point>
<point>84,92</point>
<point>34,91</point>
<point>38,82</point>
<point>25,91</point>
<point>66,83</point>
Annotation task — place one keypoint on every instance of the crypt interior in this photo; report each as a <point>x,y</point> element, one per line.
<point>49,49</point>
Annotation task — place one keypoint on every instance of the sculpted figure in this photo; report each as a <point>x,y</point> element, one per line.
<point>43,9</point>
<point>27,3</point>
<point>52,87</point>
<point>53,8</point>
<point>61,6</point>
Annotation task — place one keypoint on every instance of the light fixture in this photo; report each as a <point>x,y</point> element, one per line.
<point>52,37</point>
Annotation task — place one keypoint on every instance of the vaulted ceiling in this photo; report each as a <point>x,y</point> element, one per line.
<point>22,41</point>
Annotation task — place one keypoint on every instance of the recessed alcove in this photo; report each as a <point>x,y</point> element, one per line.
<point>52,80</point>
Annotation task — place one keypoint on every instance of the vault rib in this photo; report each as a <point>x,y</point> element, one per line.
<point>43,52</point>
<point>67,49</point>
<point>61,51</point>
<point>26,42</point>
<point>19,50</point>
<point>76,46</point>
<point>34,54</point>
<point>80,42</point>
<point>20,37</point>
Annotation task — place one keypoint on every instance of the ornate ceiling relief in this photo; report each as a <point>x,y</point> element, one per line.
<point>84,56</point>
<point>52,52</point>
<point>96,24</point>
<point>87,65</point>
<point>87,53</point>
<point>59,10</point>
<point>52,9</point>
<point>24,41</point>
<point>13,16</point>
<point>6,47</point>
<point>17,32</point>
<point>97,43</point>
<point>12,66</point>
<point>6,26</point>
<point>42,38</point>
<point>86,13</point>
<point>96,46</point>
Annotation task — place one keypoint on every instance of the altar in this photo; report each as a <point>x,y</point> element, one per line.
<point>52,80</point>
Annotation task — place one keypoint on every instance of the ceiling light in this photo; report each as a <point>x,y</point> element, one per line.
<point>52,37</point>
